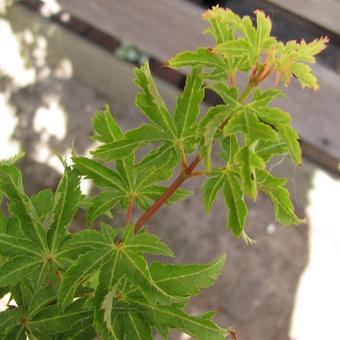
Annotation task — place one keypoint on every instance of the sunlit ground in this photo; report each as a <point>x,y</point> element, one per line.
<point>316,314</point>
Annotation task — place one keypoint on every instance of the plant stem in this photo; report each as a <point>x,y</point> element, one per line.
<point>130,210</point>
<point>246,92</point>
<point>185,174</point>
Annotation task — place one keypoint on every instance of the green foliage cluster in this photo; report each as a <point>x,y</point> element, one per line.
<point>98,281</point>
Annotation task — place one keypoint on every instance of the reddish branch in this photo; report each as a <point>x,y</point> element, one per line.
<point>185,174</point>
<point>130,210</point>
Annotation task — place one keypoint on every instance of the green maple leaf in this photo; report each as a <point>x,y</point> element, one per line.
<point>124,258</point>
<point>228,183</point>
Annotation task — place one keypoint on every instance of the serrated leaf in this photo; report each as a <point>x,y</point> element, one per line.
<point>266,149</point>
<point>108,282</point>
<point>186,280</point>
<point>230,146</point>
<point>85,265</point>
<point>43,204</point>
<point>144,242</point>
<point>234,48</point>
<point>136,327</point>
<point>248,124</point>
<point>41,299</point>
<point>305,76</point>
<point>20,205</point>
<point>67,198</point>
<point>218,21</point>
<point>12,246</point>
<point>9,318</point>
<point>249,161</point>
<point>281,122</point>
<point>188,103</point>
<point>50,321</point>
<point>166,153</point>
<point>101,204</point>
<point>17,268</point>
<point>119,149</point>
<point>210,188</point>
<point>200,57</point>
<point>15,333</point>
<point>237,209</point>
<point>293,53</point>
<point>173,317</point>
<point>283,206</point>
<point>81,329</point>
<point>150,102</point>
<point>105,126</point>
<point>100,174</point>
<point>213,121</point>
<point>227,94</point>
<point>263,97</point>
<point>291,139</point>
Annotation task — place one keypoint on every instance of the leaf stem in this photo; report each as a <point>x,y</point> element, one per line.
<point>130,209</point>
<point>246,92</point>
<point>185,174</point>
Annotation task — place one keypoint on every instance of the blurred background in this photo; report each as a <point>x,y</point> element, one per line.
<point>63,60</point>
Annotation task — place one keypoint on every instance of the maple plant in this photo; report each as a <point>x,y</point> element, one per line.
<point>97,281</point>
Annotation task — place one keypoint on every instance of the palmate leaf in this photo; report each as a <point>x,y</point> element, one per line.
<point>291,57</point>
<point>125,256</point>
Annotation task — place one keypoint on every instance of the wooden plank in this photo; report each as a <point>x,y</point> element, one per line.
<point>162,28</point>
<point>322,12</point>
